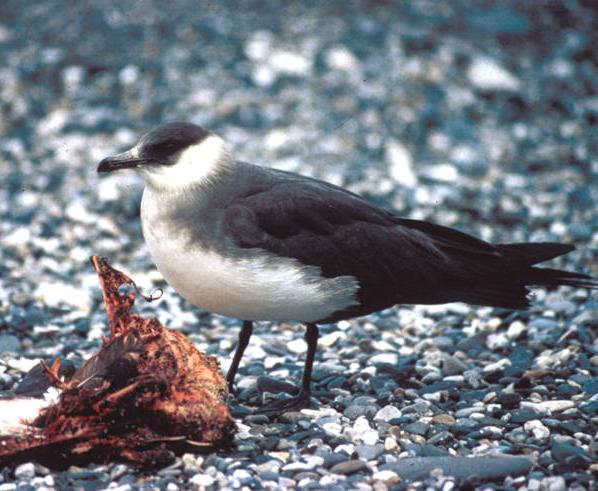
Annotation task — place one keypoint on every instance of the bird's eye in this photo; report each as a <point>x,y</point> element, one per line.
<point>161,151</point>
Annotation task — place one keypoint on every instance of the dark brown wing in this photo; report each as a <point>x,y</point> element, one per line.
<point>395,260</point>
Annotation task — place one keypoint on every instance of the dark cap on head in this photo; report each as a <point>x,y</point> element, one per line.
<point>166,140</point>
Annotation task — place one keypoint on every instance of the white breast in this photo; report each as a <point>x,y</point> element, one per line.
<point>264,288</point>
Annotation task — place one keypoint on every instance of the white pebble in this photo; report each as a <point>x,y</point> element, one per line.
<point>340,58</point>
<point>361,431</point>
<point>516,329</point>
<point>330,339</point>
<point>499,365</point>
<point>332,429</point>
<point>384,475</point>
<point>497,341</point>
<point>22,364</point>
<point>17,238</point>
<point>485,73</point>
<point>259,45</point>
<point>400,163</point>
<point>77,212</point>
<point>72,77</point>
<point>442,172</point>
<point>241,474</point>
<point>200,481</point>
<point>464,154</point>
<point>554,483</point>
<point>536,428</point>
<point>53,122</point>
<point>390,358</point>
<point>25,471</point>
<point>549,406</point>
<point>297,346</point>
<point>387,413</point>
<point>128,75</point>
<point>254,352</point>
<point>55,294</point>
<point>289,63</point>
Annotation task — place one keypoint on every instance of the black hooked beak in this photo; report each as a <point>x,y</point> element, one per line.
<point>122,161</point>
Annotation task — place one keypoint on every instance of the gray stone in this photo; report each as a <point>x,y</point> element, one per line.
<point>354,411</point>
<point>453,366</point>
<point>349,467</point>
<point>460,467</point>
<point>369,452</point>
<point>417,428</point>
<point>9,344</point>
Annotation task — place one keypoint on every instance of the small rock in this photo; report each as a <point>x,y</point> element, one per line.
<point>509,400</point>
<point>453,366</point>
<point>369,452</point>
<point>515,330</point>
<point>548,406</point>
<point>200,481</point>
<point>334,458</point>
<point>486,74</point>
<point>554,483</point>
<point>390,358</point>
<point>292,416</point>
<point>497,366</point>
<point>391,444</point>
<point>9,344</point>
<point>400,163</point>
<point>25,471</point>
<point>590,387</point>
<point>417,428</point>
<point>297,346</point>
<point>487,468</point>
<point>560,306</point>
<point>385,476</point>
<point>118,471</point>
<point>388,413</point>
<point>330,339</point>
<point>497,341</point>
<point>537,429</point>
<point>441,172</point>
<point>543,323</point>
<point>275,386</point>
<point>355,411</point>
<point>348,467</point>
<point>562,451</point>
<point>443,419</point>
<point>524,414</point>
<point>521,359</point>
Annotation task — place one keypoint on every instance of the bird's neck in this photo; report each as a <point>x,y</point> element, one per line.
<point>200,166</point>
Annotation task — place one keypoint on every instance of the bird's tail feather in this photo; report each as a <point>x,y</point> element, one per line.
<point>509,288</point>
<point>535,252</point>
<point>557,277</point>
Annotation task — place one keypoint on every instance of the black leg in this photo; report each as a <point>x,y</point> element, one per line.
<point>244,337</point>
<point>303,399</point>
<point>311,338</point>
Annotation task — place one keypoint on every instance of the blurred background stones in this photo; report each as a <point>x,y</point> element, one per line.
<point>477,115</point>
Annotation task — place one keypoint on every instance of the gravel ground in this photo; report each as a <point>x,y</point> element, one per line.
<point>477,115</point>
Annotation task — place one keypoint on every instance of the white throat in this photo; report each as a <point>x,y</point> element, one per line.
<point>196,165</point>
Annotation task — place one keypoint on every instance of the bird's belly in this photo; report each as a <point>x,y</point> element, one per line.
<point>254,287</point>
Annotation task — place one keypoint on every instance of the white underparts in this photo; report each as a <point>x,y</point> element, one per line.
<point>257,286</point>
<point>196,165</point>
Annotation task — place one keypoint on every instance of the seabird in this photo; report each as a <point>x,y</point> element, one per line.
<point>261,244</point>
